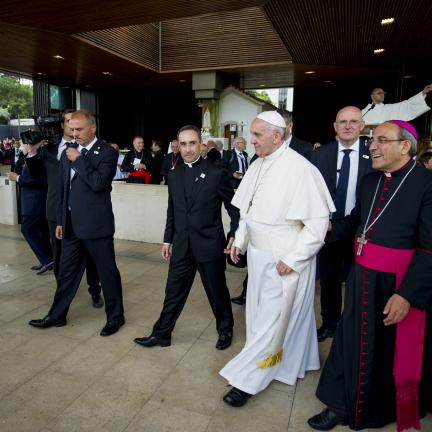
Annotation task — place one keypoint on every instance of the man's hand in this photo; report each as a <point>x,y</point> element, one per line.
<point>237,175</point>
<point>396,309</point>
<point>330,226</point>
<point>139,166</point>
<point>166,252</point>
<point>227,250</point>
<point>12,176</point>
<point>72,154</point>
<point>59,232</point>
<point>234,253</point>
<point>282,268</point>
<point>427,89</point>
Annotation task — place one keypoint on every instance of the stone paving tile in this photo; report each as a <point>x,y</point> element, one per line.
<point>70,379</point>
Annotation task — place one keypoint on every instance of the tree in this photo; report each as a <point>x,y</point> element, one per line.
<point>15,97</point>
<point>4,116</point>
<point>260,94</point>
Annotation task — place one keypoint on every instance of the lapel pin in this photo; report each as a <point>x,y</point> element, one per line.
<point>366,156</point>
<point>96,152</point>
<point>202,175</point>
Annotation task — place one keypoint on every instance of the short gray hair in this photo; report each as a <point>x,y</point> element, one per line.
<point>405,135</point>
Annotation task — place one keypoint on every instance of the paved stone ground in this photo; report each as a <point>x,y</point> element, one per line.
<point>72,380</point>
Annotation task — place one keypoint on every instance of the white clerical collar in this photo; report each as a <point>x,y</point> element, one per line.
<point>191,164</point>
<point>355,147</point>
<point>87,147</point>
<point>276,153</point>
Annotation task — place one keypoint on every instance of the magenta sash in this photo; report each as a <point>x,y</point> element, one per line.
<point>407,366</point>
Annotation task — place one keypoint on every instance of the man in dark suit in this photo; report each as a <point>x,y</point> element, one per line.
<point>33,192</point>
<point>196,190</point>
<point>302,147</point>
<point>48,159</point>
<point>238,163</point>
<point>342,163</point>
<point>158,160</point>
<point>86,224</point>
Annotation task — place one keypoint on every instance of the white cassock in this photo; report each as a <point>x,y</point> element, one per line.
<point>406,110</point>
<point>287,221</point>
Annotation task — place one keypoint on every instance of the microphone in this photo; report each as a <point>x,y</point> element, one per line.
<point>370,109</point>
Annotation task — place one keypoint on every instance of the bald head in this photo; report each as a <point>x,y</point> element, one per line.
<point>348,125</point>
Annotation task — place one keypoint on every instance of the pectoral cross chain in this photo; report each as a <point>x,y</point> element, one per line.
<point>361,242</point>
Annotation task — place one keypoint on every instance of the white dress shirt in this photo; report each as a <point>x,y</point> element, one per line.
<point>353,173</point>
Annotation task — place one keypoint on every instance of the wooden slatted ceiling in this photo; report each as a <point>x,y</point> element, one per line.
<point>220,40</point>
<point>79,16</point>
<point>347,32</point>
<point>30,51</point>
<point>139,43</point>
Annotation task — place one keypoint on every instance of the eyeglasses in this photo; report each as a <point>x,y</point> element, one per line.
<point>381,140</point>
<point>345,123</point>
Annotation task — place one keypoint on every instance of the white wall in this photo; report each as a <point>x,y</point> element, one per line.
<point>236,109</point>
<point>8,203</point>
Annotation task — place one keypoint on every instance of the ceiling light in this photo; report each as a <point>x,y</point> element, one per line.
<point>387,21</point>
<point>40,73</point>
<point>310,72</point>
<point>182,80</point>
<point>408,76</point>
<point>262,85</point>
<point>107,73</point>
<point>58,57</point>
<point>379,50</point>
<point>327,81</point>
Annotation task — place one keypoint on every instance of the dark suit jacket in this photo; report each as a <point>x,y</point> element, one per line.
<point>233,166</point>
<point>325,159</point>
<point>158,160</point>
<point>16,167</point>
<point>90,192</point>
<point>199,224</point>
<point>225,158</point>
<point>47,156</point>
<point>33,192</point>
<point>302,147</point>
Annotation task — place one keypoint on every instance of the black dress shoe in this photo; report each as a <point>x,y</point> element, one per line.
<point>48,322</point>
<point>240,300</point>
<point>236,397</point>
<point>224,341</point>
<point>45,268</point>
<point>97,301</point>
<point>151,341</point>
<point>326,420</point>
<point>112,327</point>
<point>325,332</point>
<point>36,267</point>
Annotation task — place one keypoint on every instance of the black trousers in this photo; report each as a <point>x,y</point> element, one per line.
<point>34,228</point>
<point>91,271</point>
<point>334,262</point>
<point>181,275</point>
<point>73,262</point>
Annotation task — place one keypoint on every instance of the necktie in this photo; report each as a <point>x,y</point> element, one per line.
<point>84,151</point>
<point>243,163</point>
<point>342,186</point>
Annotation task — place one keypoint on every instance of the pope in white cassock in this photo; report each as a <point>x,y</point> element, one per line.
<point>377,112</point>
<point>284,213</point>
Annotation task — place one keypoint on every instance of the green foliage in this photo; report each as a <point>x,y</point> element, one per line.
<point>4,116</point>
<point>262,94</point>
<point>15,97</point>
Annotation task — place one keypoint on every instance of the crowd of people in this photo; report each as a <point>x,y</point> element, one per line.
<point>357,211</point>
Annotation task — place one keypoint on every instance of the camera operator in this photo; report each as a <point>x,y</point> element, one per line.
<point>59,136</point>
<point>33,192</point>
